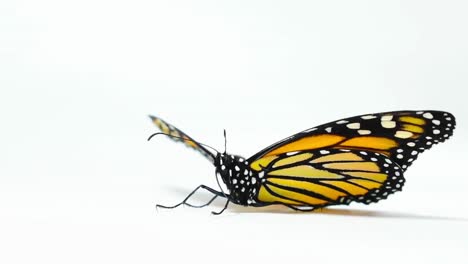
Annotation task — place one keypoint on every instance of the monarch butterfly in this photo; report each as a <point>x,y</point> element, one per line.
<point>358,159</point>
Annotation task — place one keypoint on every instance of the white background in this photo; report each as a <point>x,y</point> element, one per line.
<point>79,181</point>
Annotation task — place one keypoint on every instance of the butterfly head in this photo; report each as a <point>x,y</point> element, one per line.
<point>237,176</point>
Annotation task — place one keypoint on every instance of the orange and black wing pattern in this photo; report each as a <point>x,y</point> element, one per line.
<point>400,135</point>
<point>179,136</point>
<point>360,159</point>
<point>320,178</point>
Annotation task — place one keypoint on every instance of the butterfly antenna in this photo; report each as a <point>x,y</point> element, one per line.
<point>183,139</point>
<point>225,142</point>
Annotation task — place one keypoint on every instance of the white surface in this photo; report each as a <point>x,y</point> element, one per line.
<point>78,181</point>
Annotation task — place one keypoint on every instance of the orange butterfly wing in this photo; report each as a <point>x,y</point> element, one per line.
<point>400,135</point>
<point>328,177</point>
<point>180,136</point>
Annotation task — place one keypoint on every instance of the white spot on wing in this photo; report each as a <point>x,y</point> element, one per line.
<point>311,129</point>
<point>403,134</point>
<point>428,115</point>
<point>364,132</point>
<point>367,117</point>
<point>342,122</point>
<point>388,124</point>
<point>386,117</point>
<point>328,129</point>
<point>354,125</point>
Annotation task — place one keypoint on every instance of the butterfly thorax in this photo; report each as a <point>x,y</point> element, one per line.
<point>240,180</point>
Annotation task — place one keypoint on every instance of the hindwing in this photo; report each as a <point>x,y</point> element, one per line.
<point>327,177</point>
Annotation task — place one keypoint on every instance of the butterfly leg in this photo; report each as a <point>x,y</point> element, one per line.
<point>216,193</point>
<point>203,205</point>
<point>224,208</point>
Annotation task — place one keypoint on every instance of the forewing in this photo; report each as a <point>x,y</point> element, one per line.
<point>180,136</point>
<point>327,177</point>
<point>400,135</point>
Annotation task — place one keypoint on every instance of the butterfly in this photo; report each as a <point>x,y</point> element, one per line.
<point>358,159</point>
